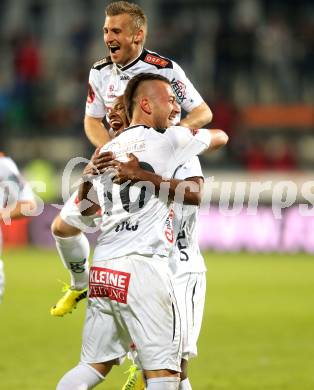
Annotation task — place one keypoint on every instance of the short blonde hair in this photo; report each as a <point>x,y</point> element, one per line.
<point>137,14</point>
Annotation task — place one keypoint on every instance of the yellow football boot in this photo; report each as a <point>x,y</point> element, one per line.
<point>68,302</point>
<point>135,379</point>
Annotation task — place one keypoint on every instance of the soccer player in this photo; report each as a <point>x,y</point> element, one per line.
<point>131,300</point>
<point>16,200</point>
<point>125,31</point>
<point>186,261</point>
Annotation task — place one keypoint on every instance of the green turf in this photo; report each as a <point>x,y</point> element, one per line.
<point>258,329</point>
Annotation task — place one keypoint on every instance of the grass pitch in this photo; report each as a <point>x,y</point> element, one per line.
<point>258,328</point>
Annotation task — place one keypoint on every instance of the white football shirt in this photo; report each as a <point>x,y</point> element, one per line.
<point>185,256</point>
<point>108,80</point>
<point>12,186</point>
<point>134,220</point>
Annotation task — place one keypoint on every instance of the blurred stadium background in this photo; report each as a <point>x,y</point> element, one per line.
<point>252,60</point>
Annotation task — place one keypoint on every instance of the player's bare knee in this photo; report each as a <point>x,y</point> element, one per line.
<point>160,373</point>
<point>62,229</point>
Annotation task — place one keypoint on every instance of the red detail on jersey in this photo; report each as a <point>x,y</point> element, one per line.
<point>169,227</point>
<point>90,94</point>
<point>108,283</point>
<point>194,131</point>
<point>151,59</point>
<point>76,200</point>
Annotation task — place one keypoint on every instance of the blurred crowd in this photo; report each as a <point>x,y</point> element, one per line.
<point>237,53</point>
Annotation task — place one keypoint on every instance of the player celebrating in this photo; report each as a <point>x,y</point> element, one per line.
<point>131,299</point>
<point>16,199</point>
<point>186,261</point>
<point>125,31</point>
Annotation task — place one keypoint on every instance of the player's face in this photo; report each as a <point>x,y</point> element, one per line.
<point>121,39</point>
<point>117,117</point>
<point>164,106</point>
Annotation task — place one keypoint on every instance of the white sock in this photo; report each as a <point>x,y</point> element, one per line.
<point>163,383</point>
<point>74,253</point>
<point>185,385</point>
<point>1,280</point>
<point>81,377</point>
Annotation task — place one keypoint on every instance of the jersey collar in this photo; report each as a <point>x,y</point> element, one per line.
<point>140,57</point>
<point>139,125</point>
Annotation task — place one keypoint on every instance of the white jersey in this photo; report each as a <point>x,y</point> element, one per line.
<point>12,186</point>
<point>135,221</point>
<point>108,80</point>
<point>186,256</point>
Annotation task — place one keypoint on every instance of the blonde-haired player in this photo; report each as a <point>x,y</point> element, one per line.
<point>125,31</point>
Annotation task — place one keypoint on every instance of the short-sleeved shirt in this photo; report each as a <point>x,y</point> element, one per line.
<point>108,80</point>
<point>135,220</point>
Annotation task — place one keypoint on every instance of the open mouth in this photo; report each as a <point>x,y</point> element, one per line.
<point>114,48</point>
<point>115,123</point>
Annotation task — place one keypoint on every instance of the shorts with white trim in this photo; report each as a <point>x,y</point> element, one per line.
<point>190,291</point>
<point>131,304</point>
<point>70,214</point>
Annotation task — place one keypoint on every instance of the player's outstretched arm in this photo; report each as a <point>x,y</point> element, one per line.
<point>96,131</point>
<point>198,117</point>
<point>218,139</point>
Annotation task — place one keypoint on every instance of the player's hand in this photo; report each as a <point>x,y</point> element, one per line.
<point>100,162</point>
<point>127,171</point>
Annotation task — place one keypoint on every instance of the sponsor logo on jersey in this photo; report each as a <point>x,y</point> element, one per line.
<point>108,283</point>
<point>169,227</point>
<point>124,77</point>
<point>126,225</point>
<point>121,149</point>
<point>179,89</point>
<point>90,94</point>
<point>151,59</point>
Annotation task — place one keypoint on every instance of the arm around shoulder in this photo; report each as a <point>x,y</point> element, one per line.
<point>198,117</point>
<point>218,139</point>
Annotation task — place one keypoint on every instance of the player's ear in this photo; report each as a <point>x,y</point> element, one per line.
<point>145,106</point>
<point>139,36</point>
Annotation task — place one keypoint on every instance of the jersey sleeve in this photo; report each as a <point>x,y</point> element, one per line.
<point>187,143</point>
<point>186,94</point>
<point>95,106</point>
<point>191,168</point>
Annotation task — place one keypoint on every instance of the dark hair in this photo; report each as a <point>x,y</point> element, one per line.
<point>132,87</point>
<point>123,7</point>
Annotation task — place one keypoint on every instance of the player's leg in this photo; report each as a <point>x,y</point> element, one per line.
<point>83,376</point>
<point>162,380</point>
<point>153,320</point>
<point>73,248</point>
<point>190,289</point>
<point>102,347</point>
<point>184,380</point>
